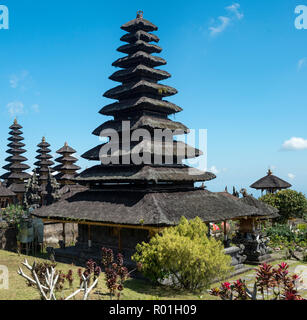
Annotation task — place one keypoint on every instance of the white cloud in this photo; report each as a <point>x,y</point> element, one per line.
<point>301,63</point>
<point>14,108</point>
<point>17,80</point>
<point>291,176</point>
<point>295,144</point>
<point>215,170</point>
<point>221,27</point>
<point>234,8</point>
<point>225,21</point>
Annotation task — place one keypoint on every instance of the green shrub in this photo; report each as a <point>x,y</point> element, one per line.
<point>290,203</point>
<point>185,254</point>
<point>283,236</point>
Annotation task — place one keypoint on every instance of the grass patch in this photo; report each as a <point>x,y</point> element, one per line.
<point>135,289</point>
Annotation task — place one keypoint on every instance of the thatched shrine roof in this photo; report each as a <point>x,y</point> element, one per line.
<point>139,24</point>
<point>5,192</point>
<point>267,210</point>
<point>270,182</point>
<point>146,208</point>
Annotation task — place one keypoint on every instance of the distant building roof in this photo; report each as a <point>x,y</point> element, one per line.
<point>270,182</point>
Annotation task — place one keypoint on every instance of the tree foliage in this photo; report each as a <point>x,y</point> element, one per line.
<point>185,254</point>
<point>290,203</point>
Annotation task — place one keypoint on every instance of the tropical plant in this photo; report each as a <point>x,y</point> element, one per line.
<point>115,272</point>
<point>271,283</point>
<point>185,255</point>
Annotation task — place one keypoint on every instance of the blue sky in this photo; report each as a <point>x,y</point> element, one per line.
<point>240,68</point>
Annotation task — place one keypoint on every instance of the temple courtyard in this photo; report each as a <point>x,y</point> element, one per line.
<point>135,289</point>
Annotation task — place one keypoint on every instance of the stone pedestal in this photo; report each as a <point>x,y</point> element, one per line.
<point>255,247</point>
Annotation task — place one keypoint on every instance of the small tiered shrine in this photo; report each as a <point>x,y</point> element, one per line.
<point>16,176</point>
<point>67,168</point>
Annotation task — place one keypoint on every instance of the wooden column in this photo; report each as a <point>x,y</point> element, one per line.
<point>225,230</point>
<point>119,240</point>
<point>89,241</point>
<point>64,235</point>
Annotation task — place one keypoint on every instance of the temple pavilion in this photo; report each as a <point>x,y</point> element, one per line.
<point>130,195</point>
<point>270,183</point>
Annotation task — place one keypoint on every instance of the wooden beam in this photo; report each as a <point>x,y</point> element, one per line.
<point>102,224</point>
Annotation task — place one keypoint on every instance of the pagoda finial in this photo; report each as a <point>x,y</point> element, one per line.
<point>43,139</point>
<point>139,14</point>
<point>270,172</point>
<point>66,144</point>
<point>15,121</point>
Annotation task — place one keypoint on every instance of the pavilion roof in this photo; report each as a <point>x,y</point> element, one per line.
<point>270,182</point>
<point>146,208</point>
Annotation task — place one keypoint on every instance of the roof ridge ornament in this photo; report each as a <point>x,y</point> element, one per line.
<point>270,172</point>
<point>139,14</point>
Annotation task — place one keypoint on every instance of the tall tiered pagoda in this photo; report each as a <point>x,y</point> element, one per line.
<point>142,185</point>
<point>67,168</point>
<point>15,177</point>
<point>44,162</point>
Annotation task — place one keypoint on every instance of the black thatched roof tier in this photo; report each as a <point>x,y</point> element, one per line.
<point>138,58</point>
<point>44,163</point>
<point>15,138</point>
<point>157,174</point>
<point>21,166</point>
<point>67,168</point>
<point>66,149</point>
<point>16,151</point>
<point>66,158</point>
<point>141,104</point>
<point>145,122</point>
<point>139,46</point>
<point>138,89</point>
<point>148,209</point>
<point>14,145</point>
<point>5,192</point>
<point>176,150</point>
<point>17,187</point>
<point>15,175</point>
<point>16,126</point>
<point>140,71</point>
<point>139,24</point>
<point>139,35</point>
<point>15,132</point>
<point>271,183</point>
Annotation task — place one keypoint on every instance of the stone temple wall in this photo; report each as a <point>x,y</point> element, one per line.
<point>53,233</point>
<point>8,240</point>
